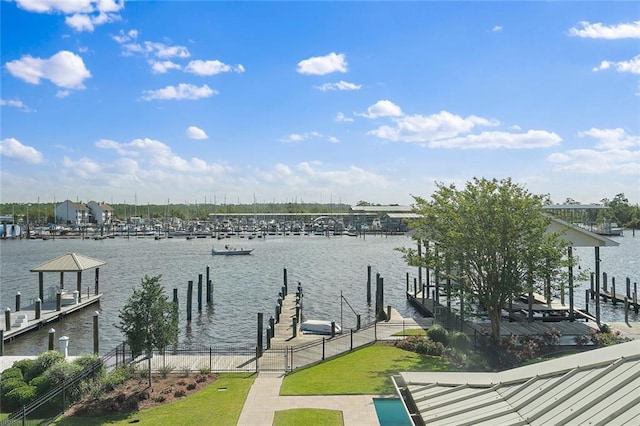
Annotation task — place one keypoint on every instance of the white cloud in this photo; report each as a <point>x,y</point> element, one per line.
<point>354,176</point>
<point>124,37</point>
<point>612,154</point>
<point>62,94</point>
<point>632,65</point>
<point>13,148</point>
<point>495,140</point>
<point>64,69</point>
<point>496,28</point>
<point>181,91</point>
<point>611,138</point>
<point>383,108</point>
<point>340,117</point>
<point>194,132</point>
<point>299,137</point>
<point>341,85</point>
<point>333,139</point>
<point>424,129</point>
<point>211,67</point>
<point>82,15</point>
<point>320,65</point>
<point>15,104</point>
<point>159,50</point>
<point>161,67</point>
<point>586,29</point>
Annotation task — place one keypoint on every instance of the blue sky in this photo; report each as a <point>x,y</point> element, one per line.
<point>206,101</point>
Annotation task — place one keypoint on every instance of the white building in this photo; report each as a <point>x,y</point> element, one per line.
<point>102,213</point>
<point>72,213</point>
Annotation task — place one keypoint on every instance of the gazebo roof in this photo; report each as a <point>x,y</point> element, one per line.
<point>70,262</point>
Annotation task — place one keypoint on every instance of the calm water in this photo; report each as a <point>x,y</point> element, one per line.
<point>243,285</point>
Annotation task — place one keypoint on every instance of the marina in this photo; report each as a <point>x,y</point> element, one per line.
<point>325,267</point>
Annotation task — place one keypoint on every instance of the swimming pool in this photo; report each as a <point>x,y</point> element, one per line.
<point>391,412</point>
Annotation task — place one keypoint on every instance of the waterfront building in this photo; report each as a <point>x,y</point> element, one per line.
<point>72,213</point>
<point>101,213</point>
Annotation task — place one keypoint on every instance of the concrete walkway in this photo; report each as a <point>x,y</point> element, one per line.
<point>264,400</point>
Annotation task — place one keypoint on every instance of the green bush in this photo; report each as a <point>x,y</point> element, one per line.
<point>438,333</point>
<point>460,341</point>
<point>10,384</point>
<point>12,373</point>
<point>40,383</point>
<point>46,360</point>
<point>165,370</point>
<point>28,368</point>
<point>421,345</point>
<point>117,377</point>
<point>89,361</point>
<point>18,397</point>
<point>59,373</point>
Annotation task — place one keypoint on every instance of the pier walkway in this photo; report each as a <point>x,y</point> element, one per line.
<point>26,319</point>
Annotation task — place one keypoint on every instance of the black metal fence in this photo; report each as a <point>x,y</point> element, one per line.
<point>204,359</point>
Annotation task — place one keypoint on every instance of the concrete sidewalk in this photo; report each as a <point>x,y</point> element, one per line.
<point>263,401</point>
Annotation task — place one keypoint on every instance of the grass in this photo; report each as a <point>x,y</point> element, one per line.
<point>365,371</point>
<point>216,406</point>
<point>308,416</point>
<point>411,332</point>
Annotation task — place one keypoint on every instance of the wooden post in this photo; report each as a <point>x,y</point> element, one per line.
<point>1,342</point>
<point>7,319</point>
<point>61,280</point>
<point>377,304</point>
<point>95,333</point>
<point>41,285</point>
<point>79,285</point>
<point>626,310</point>
<point>259,335</point>
<point>97,284</point>
<point>189,299</point>
<point>18,296</point>
<point>597,276</point>
<point>369,285</point>
<point>175,300</point>
<point>613,291</point>
<point>295,326</point>
<point>200,293</point>
<point>415,287</point>
<point>586,301</point>
<point>605,285</point>
<point>333,329</point>
<point>272,325</point>
<point>285,282</point>
<point>628,282</point>
<point>571,307</point>
<point>59,301</point>
<point>407,285</point>
<point>593,287</point>
<point>635,297</point>
<point>358,322</point>
<point>52,336</point>
<point>38,308</point>
<point>208,287</point>
<point>420,269</point>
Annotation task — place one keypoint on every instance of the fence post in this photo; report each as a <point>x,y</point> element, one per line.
<point>323,339</point>
<point>210,357</point>
<point>375,331</point>
<point>1,342</point>
<point>351,346</point>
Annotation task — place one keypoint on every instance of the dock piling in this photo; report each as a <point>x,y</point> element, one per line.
<point>208,287</point>
<point>18,295</point>
<point>38,308</point>
<point>1,342</point>
<point>95,332</point>
<point>200,293</point>
<point>285,289</point>
<point>7,319</point>
<point>52,336</point>
<point>189,299</point>
<point>259,335</point>
<point>613,291</point>
<point>369,285</point>
<point>58,301</point>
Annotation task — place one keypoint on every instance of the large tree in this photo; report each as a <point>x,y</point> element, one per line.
<point>148,319</point>
<point>491,239</point>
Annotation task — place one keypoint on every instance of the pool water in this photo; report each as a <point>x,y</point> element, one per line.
<point>391,412</point>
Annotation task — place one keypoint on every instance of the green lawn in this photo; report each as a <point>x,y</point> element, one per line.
<point>308,416</point>
<point>209,406</point>
<point>365,371</point>
<point>411,332</point>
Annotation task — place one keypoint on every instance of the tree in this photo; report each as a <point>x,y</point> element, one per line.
<point>491,239</point>
<point>148,320</point>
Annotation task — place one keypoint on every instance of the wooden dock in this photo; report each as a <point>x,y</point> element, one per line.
<point>25,320</point>
<point>430,307</point>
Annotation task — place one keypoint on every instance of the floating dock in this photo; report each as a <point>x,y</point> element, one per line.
<point>26,319</point>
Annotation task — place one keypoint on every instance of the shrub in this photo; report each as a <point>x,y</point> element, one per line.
<point>59,373</point>
<point>116,378</point>
<point>204,370</point>
<point>165,370</point>
<point>179,393</point>
<point>10,384</point>
<point>18,397</point>
<point>46,360</point>
<point>460,341</point>
<point>191,386</point>
<point>12,373</point>
<point>159,398</point>
<point>28,368</point>
<point>90,361</point>
<point>421,345</point>
<point>438,333</point>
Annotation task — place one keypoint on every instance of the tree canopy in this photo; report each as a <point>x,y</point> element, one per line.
<point>148,319</point>
<point>491,239</point>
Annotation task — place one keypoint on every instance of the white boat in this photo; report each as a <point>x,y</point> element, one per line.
<point>230,251</point>
<point>318,327</point>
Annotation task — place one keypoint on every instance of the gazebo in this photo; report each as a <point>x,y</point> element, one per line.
<point>70,262</point>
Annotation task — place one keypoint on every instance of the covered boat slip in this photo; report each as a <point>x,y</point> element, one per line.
<point>58,301</point>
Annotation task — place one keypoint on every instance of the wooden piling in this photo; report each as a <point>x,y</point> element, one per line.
<point>18,296</point>
<point>593,289</point>
<point>95,333</point>
<point>285,282</point>
<point>175,300</point>
<point>295,326</point>
<point>613,291</point>
<point>628,282</point>
<point>259,341</point>
<point>272,325</point>
<point>605,285</point>
<point>1,342</point>
<point>97,281</point>
<point>200,293</point>
<point>7,319</point>
<point>209,298</point>
<point>369,285</point>
<point>52,336</point>
<point>38,308</point>
<point>58,301</point>
<point>626,310</point>
<point>189,299</point>
<point>597,276</point>
<point>407,285</point>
